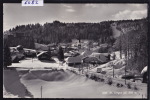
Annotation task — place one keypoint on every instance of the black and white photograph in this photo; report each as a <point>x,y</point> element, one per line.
<point>75,50</point>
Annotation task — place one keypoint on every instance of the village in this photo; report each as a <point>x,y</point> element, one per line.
<point>81,58</point>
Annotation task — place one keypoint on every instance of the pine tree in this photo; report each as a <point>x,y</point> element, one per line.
<point>60,54</point>
<point>49,52</point>
<point>7,56</point>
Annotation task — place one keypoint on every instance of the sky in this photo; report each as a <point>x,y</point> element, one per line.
<point>15,14</point>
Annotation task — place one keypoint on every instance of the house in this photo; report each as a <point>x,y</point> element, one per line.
<point>75,41</point>
<point>86,53</point>
<point>70,48</point>
<point>16,54</point>
<point>104,45</point>
<point>67,54</point>
<point>95,44</point>
<point>92,60</point>
<point>29,52</point>
<point>43,56</point>
<point>20,48</point>
<point>72,53</point>
<point>71,61</point>
<point>84,41</point>
<point>103,57</point>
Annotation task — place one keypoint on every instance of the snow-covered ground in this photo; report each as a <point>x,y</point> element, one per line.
<point>74,86</point>
<point>29,76</point>
<point>36,64</point>
<point>118,64</point>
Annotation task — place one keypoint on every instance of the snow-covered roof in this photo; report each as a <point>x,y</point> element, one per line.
<point>104,45</point>
<point>86,53</point>
<point>52,44</point>
<point>144,70</point>
<point>41,54</point>
<point>101,56</point>
<point>67,54</point>
<point>96,49</point>
<point>29,49</point>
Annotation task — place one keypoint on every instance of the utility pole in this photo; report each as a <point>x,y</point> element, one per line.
<point>79,69</point>
<point>125,74</point>
<point>41,91</point>
<point>113,71</point>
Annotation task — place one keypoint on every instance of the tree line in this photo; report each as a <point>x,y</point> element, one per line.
<point>57,32</point>
<point>133,43</point>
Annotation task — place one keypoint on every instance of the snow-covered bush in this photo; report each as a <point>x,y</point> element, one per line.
<point>129,85</point>
<point>109,81</point>
<point>119,85</point>
<point>135,87</point>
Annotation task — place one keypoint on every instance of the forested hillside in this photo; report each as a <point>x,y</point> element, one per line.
<point>133,43</point>
<point>64,32</point>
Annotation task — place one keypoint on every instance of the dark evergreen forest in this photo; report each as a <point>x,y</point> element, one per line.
<point>57,32</point>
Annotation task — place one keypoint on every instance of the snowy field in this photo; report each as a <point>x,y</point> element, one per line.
<point>36,64</point>
<point>28,78</point>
